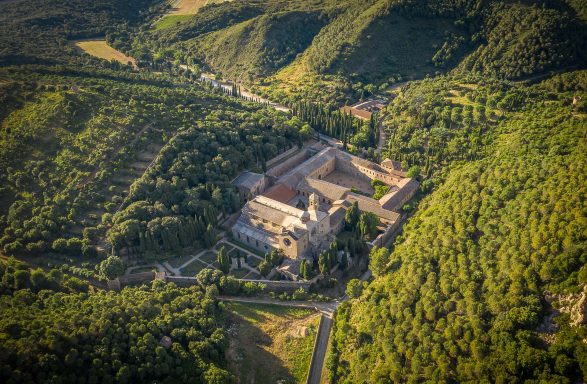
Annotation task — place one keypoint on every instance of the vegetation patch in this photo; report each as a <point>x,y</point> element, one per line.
<point>239,273</point>
<point>270,343</point>
<point>170,21</point>
<point>208,257</point>
<point>178,261</point>
<point>193,268</point>
<point>101,49</point>
<point>190,7</point>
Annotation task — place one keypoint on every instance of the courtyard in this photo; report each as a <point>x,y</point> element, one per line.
<point>349,181</point>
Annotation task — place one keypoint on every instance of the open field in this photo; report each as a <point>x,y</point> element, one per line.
<point>99,48</point>
<point>271,343</point>
<point>182,10</point>
<point>190,7</point>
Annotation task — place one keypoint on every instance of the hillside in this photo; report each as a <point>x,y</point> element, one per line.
<point>463,295</point>
<point>377,41</point>
<point>108,168</point>
<point>52,329</point>
<point>38,31</point>
<point>74,142</point>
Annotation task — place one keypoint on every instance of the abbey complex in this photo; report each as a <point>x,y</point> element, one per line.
<point>299,205</point>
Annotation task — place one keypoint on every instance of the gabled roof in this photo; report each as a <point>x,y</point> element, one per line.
<point>336,215</point>
<point>323,188</point>
<point>293,177</point>
<point>394,199</point>
<point>368,204</point>
<point>247,179</point>
<point>393,167</point>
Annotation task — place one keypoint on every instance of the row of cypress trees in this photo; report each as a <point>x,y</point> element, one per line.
<point>333,123</point>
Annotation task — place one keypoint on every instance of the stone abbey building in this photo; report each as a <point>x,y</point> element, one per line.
<point>299,205</point>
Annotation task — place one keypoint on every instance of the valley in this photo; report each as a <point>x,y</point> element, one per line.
<point>305,191</point>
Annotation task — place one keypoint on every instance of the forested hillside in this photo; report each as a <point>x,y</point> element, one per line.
<point>51,332</point>
<point>463,296</point>
<point>98,131</point>
<point>487,281</point>
<point>376,42</point>
<point>38,31</point>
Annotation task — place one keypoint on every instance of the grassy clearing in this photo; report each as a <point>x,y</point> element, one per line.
<point>176,262</point>
<point>253,261</point>
<point>209,257</point>
<point>193,268</point>
<point>181,11</point>
<point>171,21</point>
<point>247,247</point>
<point>187,7</point>
<point>271,343</point>
<point>191,7</point>
<point>253,276</point>
<point>100,49</point>
<point>144,269</point>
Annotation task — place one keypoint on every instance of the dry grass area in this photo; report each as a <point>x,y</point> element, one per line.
<point>100,49</point>
<point>270,344</point>
<point>190,7</point>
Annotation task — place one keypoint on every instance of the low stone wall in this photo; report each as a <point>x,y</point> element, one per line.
<point>270,285</point>
<point>141,277</point>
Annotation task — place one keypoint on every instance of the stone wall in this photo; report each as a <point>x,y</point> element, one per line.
<point>270,286</point>
<point>141,277</point>
<point>288,164</point>
<point>384,238</point>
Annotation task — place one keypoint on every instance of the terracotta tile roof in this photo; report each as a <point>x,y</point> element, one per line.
<point>281,193</point>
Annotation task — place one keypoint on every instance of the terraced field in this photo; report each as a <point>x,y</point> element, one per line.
<point>101,49</point>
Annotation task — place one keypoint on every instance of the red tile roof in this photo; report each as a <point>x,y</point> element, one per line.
<point>281,193</point>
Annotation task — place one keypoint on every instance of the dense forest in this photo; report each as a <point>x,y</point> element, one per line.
<point>463,294</point>
<point>39,31</point>
<point>54,331</point>
<point>177,202</point>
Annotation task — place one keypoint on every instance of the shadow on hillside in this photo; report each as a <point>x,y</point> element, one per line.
<point>247,358</point>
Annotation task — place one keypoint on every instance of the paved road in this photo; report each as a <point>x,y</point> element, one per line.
<point>245,93</point>
<point>320,348</point>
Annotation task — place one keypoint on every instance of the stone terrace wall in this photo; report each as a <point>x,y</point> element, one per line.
<point>270,286</point>
<point>140,277</point>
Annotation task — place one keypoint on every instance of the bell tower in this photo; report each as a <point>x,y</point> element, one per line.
<point>313,202</point>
